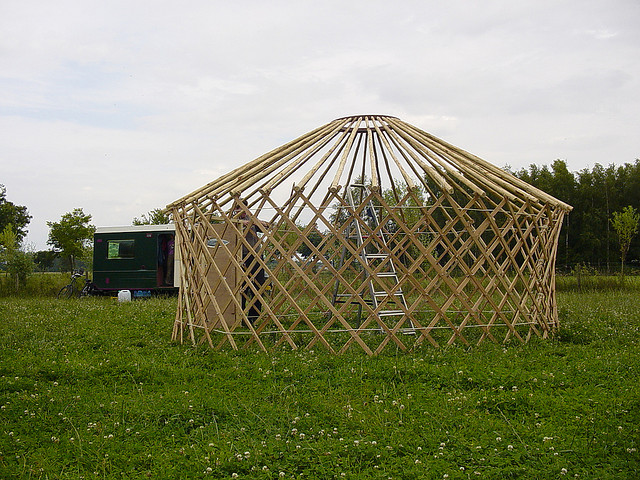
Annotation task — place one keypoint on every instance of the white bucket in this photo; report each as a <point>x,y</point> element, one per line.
<point>124,296</point>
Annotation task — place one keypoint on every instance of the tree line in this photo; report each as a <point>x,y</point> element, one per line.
<point>70,240</point>
<point>603,199</point>
<point>588,235</point>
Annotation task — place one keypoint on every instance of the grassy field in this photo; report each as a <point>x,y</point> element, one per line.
<point>95,389</point>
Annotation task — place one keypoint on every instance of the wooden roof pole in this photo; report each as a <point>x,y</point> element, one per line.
<point>268,187</point>
<point>354,161</point>
<point>428,169</point>
<point>408,180</point>
<point>264,168</point>
<point>434,160</point>
<point>294,160</point>
<point>336,146</point>
<point>243,169</point>
<point>345,153</point>
<point>375,185</point>
<point>471,170</point>
<point>259,171</point>
<point>497,172</point>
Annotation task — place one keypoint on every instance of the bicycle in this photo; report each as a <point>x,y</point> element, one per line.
<point>72,290</point>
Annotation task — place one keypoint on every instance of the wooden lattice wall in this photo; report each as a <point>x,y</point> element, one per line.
<point>366,232</point>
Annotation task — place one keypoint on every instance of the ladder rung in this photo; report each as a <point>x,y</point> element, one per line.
<point>390,313</point>
<point>385,274</point>
<point>354,302</point>
<point>346,295</point>
<point>385,294</point>
<point>377,255</point>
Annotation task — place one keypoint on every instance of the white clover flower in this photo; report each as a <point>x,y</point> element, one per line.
<point>509,447</point>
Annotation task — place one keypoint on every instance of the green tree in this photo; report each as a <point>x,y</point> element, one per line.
<point>44,260</point>
<point>14,215</point>
<point>625,224</point>
<point>562,181</point>
<point>587,234</point>
<point>314,237</point>
<point>72,235</point>
<point>17,263</point>
<point>157,216</point>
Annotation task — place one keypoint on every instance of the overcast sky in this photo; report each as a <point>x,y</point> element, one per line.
<point>120,107</point>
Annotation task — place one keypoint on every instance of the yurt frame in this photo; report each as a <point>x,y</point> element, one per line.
<point>390,236</point>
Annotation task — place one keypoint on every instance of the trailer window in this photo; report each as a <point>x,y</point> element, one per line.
<point>117,249</point>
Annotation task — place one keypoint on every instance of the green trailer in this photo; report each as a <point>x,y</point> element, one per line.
<point>139,258</point>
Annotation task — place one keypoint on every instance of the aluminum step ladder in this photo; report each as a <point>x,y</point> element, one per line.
<point>377,264</point>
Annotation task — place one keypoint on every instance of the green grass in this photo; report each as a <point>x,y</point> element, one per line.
<point>95,389</point>
<point>596,282</point>
<point>39,284</point>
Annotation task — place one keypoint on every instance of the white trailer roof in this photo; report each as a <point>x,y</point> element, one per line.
<point>170,227</point>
